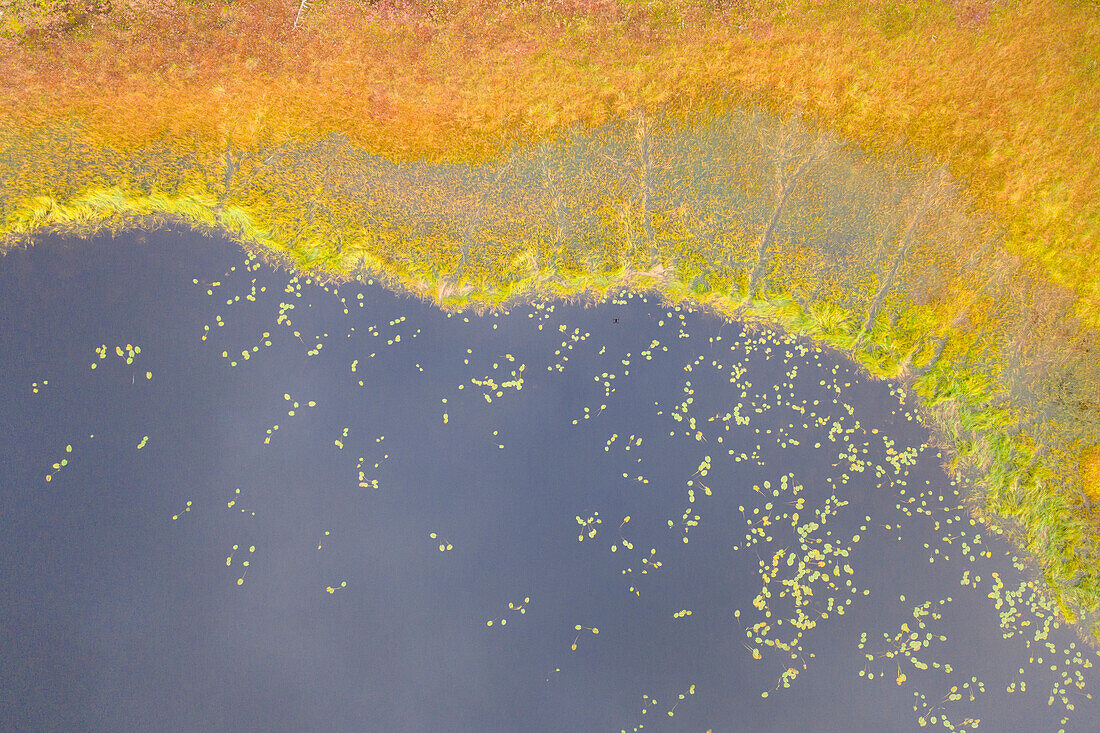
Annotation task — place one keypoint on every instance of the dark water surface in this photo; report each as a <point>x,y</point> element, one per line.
<point>126,607</point>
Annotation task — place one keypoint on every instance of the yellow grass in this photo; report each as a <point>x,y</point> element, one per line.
<point>1007,93</point>
<point>1090,472</point>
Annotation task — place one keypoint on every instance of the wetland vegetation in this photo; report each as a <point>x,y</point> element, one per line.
<point>842,175</point>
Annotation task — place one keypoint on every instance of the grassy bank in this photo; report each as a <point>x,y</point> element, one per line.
<point>931,217</point>
<point>761,219</point>
<point>1005,93</point>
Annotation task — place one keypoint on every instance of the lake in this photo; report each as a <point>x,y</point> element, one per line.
<point>237,499</point>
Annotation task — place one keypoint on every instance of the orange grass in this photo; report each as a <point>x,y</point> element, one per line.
<point>1008,95</point>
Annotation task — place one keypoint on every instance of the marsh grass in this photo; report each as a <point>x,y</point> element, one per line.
<point>416,80</point>
<point>971,337</point>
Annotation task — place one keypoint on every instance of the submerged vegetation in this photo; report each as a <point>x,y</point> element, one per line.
<point>478,169</point>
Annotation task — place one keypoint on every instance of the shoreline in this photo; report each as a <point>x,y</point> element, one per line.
<point>548,175</point>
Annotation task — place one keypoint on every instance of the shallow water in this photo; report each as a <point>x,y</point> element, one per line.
<point>127,606</point>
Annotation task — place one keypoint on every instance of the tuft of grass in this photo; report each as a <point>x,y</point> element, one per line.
<point>1090,472</point>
